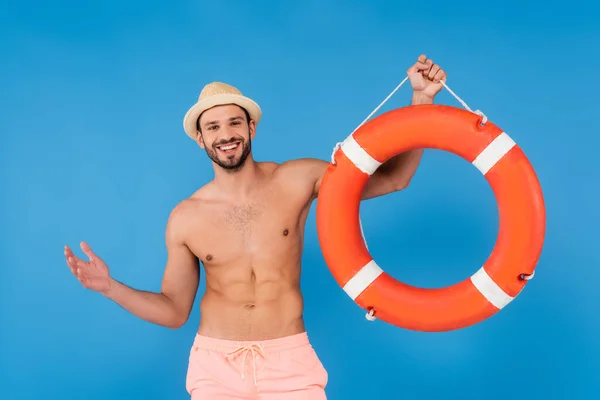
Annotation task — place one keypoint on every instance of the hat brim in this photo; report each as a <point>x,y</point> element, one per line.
<point>191,117</point>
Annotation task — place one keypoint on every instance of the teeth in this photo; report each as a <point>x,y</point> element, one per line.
<point>229,147</point>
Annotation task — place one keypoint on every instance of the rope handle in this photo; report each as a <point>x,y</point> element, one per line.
<point>484,118</point>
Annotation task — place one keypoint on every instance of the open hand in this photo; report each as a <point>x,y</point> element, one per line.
<point>92,274</point>
<point>425,77</point>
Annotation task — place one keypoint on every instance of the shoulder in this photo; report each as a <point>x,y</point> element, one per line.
<point>302,173</point>
<point>181,215</point>
<point>303,168</point>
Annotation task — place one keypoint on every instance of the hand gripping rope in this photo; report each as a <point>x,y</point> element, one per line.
<point>461,101</point>
<point>370,316</point>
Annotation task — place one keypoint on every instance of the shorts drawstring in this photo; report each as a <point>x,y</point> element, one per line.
<point>255,349</point>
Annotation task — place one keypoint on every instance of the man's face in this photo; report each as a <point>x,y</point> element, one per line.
<point>226,136</point>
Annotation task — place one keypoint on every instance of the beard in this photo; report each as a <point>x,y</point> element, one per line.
<point>230,164</point>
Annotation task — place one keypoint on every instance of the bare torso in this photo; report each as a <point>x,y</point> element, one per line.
<point>251,249</point>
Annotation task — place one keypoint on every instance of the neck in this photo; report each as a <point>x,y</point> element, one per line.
<point>240,182</point>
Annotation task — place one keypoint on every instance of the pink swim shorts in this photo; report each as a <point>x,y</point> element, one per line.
<point>286,368</point>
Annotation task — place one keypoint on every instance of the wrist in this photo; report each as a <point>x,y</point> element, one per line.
<point>421,98</point>
<point>112,286</point>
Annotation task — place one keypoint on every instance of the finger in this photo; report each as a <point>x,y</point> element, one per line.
<point>422,66</point>
<point>432,71</point>
<point>417,67</point>
<point>77,268</point>
<point>426,68</point>
<point>72,260</point>
<point>68,251</point>
<point>87,250</point>
<point>422,58</point>
<point>71,266</point>
<point>82,274</point>
<point>69,255</point>
<point>439,76</point>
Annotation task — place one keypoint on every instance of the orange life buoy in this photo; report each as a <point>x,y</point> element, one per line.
<point>518,195</point>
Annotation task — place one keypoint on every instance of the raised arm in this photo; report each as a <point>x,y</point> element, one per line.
<point>393,175</point>
<point>396,173</point>
<point>172,305</point>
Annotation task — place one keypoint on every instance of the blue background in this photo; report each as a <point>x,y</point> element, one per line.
<point>92,149</point>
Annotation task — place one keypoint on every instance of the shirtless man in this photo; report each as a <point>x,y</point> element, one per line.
<point>246,227</point>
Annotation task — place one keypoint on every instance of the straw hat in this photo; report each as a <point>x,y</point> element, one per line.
<point>216,94</point>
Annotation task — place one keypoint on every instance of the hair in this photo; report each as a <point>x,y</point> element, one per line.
<point>198,120</point>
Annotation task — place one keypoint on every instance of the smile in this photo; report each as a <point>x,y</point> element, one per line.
<point>226,148</point>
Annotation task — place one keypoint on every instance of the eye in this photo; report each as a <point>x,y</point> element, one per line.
<point>236,123</point>
<point>212,127</point>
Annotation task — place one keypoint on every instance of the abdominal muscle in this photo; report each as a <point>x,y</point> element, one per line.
<point>246,302</point>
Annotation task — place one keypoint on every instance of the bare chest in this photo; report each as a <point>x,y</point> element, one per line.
<point>266,226</point>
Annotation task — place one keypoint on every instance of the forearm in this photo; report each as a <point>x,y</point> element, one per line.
<point>401,168</point>
<point>152,307</point>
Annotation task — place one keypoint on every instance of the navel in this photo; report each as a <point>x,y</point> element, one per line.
<point>285,232</point>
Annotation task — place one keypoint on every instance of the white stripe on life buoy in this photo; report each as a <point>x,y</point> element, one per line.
<point>359,156</point>
<point>490,290</point>
<point>493,153</point>
<point>363,278</point>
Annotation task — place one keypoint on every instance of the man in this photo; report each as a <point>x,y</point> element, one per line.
<point>246,227</point>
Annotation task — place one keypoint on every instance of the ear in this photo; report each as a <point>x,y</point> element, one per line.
<point>199,139</point>
<point>252,128</point>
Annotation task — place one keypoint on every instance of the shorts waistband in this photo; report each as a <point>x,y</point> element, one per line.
<point>269,345</point>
